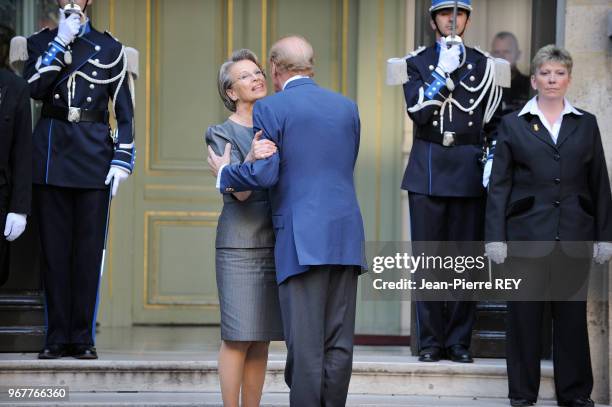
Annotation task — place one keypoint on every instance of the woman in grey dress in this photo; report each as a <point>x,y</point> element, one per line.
<point>250,314</point>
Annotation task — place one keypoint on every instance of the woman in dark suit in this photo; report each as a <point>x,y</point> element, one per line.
<point>549,186</point>
<point>246,279</point>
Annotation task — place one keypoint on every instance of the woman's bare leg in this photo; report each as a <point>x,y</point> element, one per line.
<point>232,357</point>
<point>254,373</point>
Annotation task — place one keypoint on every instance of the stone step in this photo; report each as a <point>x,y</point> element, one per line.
<point>25,310</point>
<point>373,374</point>
<point>23,323</point>
<point>268,400</point>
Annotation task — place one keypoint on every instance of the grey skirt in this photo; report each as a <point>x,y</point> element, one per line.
<point>248,295</point>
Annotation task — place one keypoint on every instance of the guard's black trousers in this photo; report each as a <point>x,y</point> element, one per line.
<point>4,249</point>
<point>443,324</point>
<point>72,228</point>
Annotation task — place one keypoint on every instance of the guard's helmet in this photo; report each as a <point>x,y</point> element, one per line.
<point>437,5</point>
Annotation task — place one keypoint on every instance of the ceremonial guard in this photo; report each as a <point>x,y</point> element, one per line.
<point>452,92</point>
<point>15,154</point>
<point>78,163</point>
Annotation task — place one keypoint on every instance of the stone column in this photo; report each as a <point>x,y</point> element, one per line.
<point>587,41</point>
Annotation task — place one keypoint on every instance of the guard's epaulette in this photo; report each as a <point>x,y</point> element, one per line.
<point>111,35</point>
<point>416,52</point>
<point>483,52</point>
<point>502,72</point>
<point>40,31</point>
<point>397,71</point>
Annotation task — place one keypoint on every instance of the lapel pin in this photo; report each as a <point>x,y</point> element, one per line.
<point>536,127</point>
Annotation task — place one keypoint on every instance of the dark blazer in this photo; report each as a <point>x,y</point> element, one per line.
<point>15,142</point>
<point>432,168</point>
<point>79,155</point>
<point>315,213</point>
<point>542,191</point>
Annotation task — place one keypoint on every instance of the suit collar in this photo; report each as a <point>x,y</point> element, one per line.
<point>536,127</point>
<point>292,83</point>
<point>533,108</point>
<point>569,117</point>
<point>568,126</point>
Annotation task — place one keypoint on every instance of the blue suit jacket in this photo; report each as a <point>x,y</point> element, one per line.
<point>315,213</point>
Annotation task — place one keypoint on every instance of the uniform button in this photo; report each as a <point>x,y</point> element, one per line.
<point>94,73</point>
<point>88,99</point>
<point>97,60</point>
<point>98,48</point>
<point>470,66</point>
<point>470,124</point>
<point>557,181</point>
<point>557,238</point>
<point>431,67</point>
<point>557,157</point>
<point>91,86</point>
<point>471,101</point>
<point>556,204</point>
<point>471,112</point>
<point>435,123</point>
<point>436,112</point>
<point>472,78</point>
<point>57,96</point>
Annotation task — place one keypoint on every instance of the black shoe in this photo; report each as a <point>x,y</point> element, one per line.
<point>430,355</point>
<point>52,352</point>
<point>84,352</point>
<point>458,353</point>
<point>520,403</point>
<point>579,402</point>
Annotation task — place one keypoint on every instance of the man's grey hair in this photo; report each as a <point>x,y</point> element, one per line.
<point>293,54</point>
<point>552,53</point>
<point>225,81</point>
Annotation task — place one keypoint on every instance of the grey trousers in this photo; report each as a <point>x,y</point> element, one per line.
<point>318,311</point>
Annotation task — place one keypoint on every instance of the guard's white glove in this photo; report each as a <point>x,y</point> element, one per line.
<point>68,27</point>
<point>496,251</point>
<point>117,175</point>
<point>487,172</point>
<point>602,252</point>
<point>449,58</point>
<point>15,225</point>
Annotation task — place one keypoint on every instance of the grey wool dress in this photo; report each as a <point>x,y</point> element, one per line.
<point>246,276</point>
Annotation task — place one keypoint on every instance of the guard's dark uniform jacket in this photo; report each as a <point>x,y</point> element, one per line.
<point>72,153</point>
<point>78,151</point>
<point>444,172</point>
<point>433,168</point>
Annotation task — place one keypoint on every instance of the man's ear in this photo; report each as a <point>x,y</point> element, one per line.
<point>432,24</point>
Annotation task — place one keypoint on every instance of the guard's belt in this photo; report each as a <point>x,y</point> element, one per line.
<point>74,114</point>
<point>450,139</point>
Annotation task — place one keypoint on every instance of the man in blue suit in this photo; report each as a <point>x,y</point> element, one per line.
<point>316,218</point>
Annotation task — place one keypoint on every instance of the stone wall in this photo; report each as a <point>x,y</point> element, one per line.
<point>586,39</point>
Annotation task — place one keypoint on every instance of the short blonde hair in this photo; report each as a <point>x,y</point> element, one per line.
<point>552,53</point>
<point>297,57</point>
